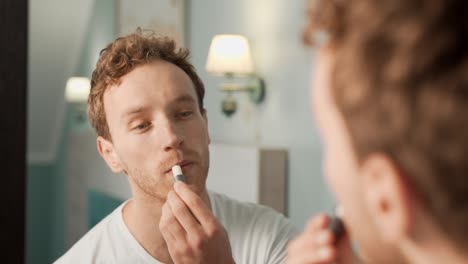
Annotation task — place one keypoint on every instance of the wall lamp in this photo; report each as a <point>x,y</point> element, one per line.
<point>76,92</point>
<point>229,55</point>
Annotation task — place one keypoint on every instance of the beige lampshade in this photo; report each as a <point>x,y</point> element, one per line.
<point>229,54</point>
<point>77,89</point>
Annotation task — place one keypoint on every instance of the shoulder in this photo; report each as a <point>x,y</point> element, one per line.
<point>232,212</point>
<point>95,243</point>
<point>224,206</point>
<point>251,225</point>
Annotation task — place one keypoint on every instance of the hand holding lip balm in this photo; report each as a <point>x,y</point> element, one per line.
<point>178,176</point>
<point>190,229</point>
<point>324,241</point>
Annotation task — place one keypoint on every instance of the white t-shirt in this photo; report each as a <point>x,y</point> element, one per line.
<point>257,234</point>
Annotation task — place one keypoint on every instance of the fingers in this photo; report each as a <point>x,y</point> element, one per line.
<point>196,205</point>
<point>184,222</point>
<point>324,237</point>
<point>170,228</point>
<point>304,249</point>
<point>317,223</point>
<point>316,245</point>
<point>183,214</point>
<point>345,250</point>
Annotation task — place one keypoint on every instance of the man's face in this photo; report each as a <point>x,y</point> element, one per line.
<point>342,170</point>
<point>155,123</point>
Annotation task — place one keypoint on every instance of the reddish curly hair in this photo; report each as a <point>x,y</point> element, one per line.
<point>400,81</point>
<point>121,57</point>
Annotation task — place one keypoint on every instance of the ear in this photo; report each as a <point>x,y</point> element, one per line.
<point>205,117</point>
<point>107,151</point>
<point>386,197</point>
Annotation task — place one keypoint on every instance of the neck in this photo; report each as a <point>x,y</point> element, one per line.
<point>141,215</point>
<point>437,252</point>
<point>430,245</point>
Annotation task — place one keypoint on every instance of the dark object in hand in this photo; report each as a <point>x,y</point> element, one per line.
<point>337,227</point>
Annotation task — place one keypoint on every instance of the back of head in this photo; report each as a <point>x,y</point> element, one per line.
<point>400,82</point>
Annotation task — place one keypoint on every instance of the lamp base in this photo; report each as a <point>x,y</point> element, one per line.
<point>229,105</point>
<point>257,91</point>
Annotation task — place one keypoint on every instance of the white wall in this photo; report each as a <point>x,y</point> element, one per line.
<point>274,30</point>
<point>57,30</point>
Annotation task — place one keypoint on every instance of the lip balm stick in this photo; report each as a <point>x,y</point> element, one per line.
<point>178,176</point>
<point>336,225</point>
<point>177,172</point>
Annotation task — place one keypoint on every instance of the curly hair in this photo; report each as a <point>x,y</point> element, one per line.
<point>400,81</point>
<point>122,56</point>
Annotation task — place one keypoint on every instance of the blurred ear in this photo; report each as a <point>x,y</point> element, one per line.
<point>386,197</point>
<point>107,151</point>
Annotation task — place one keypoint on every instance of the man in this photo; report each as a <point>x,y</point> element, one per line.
<point>391,99</point>
<point>146,104</point>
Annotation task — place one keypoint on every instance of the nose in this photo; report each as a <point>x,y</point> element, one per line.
<point>171,136</point>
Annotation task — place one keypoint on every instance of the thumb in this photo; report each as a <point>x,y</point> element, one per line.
<point>345,253</point>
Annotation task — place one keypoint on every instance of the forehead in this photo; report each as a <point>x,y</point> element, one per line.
<point>155,84</point>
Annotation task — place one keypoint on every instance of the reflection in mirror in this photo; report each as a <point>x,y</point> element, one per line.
<point>267,154</point>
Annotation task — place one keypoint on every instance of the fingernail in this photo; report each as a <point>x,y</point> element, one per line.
<point>324,253</point>
<point>322,237</point>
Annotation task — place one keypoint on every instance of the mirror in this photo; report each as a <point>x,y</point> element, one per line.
<point>65,38</point>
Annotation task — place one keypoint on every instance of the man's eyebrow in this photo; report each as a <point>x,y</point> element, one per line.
<point>184,98</point>
<point>134,110</point>
<point>140,109</point>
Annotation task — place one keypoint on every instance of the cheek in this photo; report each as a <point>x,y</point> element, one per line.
<point>341,172</point>
<point>343,176</point>
<point>134,149</point>
<point>196,134</point>
<point>335,166</point>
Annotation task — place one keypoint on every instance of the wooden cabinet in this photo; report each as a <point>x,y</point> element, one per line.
<point>250,173</point>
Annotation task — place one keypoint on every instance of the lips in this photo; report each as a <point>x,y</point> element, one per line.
<point>182,164</point>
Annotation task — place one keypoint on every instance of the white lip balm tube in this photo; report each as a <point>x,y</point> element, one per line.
<point>177,172</point>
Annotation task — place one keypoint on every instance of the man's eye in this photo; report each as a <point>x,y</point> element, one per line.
<point>185,114</point>
<point>143,126</point>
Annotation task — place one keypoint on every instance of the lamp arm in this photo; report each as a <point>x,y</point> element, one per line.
<point>256,88</point>
<point>234,87</point>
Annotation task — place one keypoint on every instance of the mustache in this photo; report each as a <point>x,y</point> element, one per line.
<point>175,158</point>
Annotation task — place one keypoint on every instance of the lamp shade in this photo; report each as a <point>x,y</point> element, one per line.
<point>229,54</point>
<point>77,89</point>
